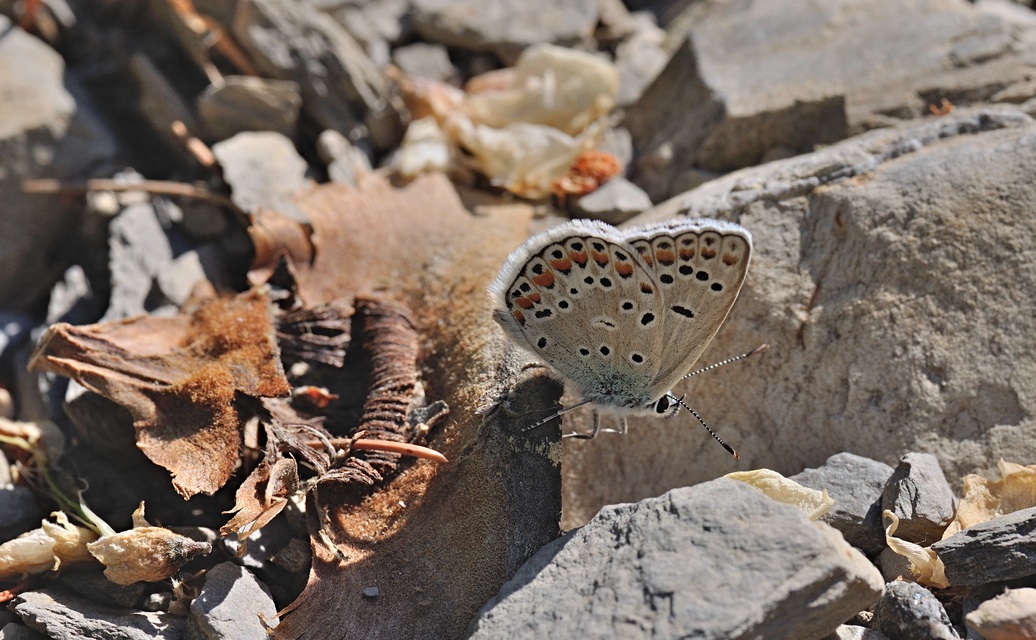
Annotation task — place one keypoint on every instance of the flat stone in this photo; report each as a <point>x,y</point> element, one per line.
<point>855,483</point>
<point>342,88</point>
<point>247,103</point>
<point>920,496</point>
<point>908,611</point>
<point>425,60</point>
<point>614,202</point>
<point>505,28</point>
<point>752,77</point>
<point>997,550</point>
<point>855,632</point>
<point>844,346</point>
<point>264,171</point>
<point>58,613</point>
<point>230,605</point>
<point>15,631</point>
<point>716,560</point>
<point>1011,616</point>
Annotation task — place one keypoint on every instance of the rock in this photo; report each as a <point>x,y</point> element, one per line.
<point>640,59</point>
<point>94,586</point>
<point>376,25</point>
<point>262,546</point>
<point>1011,616</point>
<point>426,61</point>
<point>20,509</point>
<point>908,611</point>
<point>893,566</point>
<point>142,247</point>
<point>341,88</point>
<point>58,613</point>
<point>264,171</point>
<point>846,295</point>
<point>614,202</point>
<point>717,560</point>
<point>344,161</point>
<point>618,142</point>
<point>920,496</point>
<point>750,78</point>
<point>15,631</point>
<point>855,483</point>
<point>246,103</point>
<point>230,605</point>
<point>45,133</point>
<point>1000,549</point>
<point>503,28</point>
<point>854,632</point>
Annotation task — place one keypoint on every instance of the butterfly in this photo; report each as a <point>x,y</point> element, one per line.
<point>623,314</point>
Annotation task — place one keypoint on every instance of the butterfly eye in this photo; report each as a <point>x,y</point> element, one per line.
<point>662,406</point>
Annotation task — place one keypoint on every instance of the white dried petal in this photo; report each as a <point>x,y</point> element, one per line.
<point>145,554</point>
<point>814,503</point>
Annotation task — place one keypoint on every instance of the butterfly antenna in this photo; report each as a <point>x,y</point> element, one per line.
<point>555,415</point>
<point>680,402</point>
<point>759,349</point>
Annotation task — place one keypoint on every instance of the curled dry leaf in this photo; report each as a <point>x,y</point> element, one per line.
<point>928,569</point>
<point>261,497</point>
<point>983,499</point>
<point>144,553</point>
<point>53,545</point>
<point>179,378</point>
<point>814,503</point>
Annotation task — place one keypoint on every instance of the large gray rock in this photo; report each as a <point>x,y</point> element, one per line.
<point>504,28</point>
<point>46,131</point>
<point>718,560</point>
<point>997,550</point>
<point>889,280</point>
<point>921,498</point>
<point>908,611</point>
<point>341,87</point>
<point>753,79</point>
<point>57,613</point>
<point>264,171</point>
<point>230,605</point>
<point>855,483</point>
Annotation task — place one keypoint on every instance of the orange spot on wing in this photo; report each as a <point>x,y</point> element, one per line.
<point>686,254</point>
<point>519,316</point>
<point>624,269</point>
<point>524,302</point>
<point>730,259</point>
<point>600,258</point>
<point>579,257</point>
<point>708,254</point>
<point>646,288</point>
<point>535,297</point>
<point>545,279</point>
<point>564,265</point>
<point>665,256</point>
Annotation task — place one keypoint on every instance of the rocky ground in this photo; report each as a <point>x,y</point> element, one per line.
<point>244,250</point>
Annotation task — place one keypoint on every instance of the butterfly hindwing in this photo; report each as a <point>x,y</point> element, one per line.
<point>622,314</point>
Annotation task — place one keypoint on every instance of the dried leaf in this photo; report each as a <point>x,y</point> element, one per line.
<point>179,378</point>
<point>924,562</point>
<point>814,503</point>
<point>984,499</point>
<point>144,553</point>
<point>262,496</point>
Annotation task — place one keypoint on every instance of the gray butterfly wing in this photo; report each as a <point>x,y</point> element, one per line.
<point>579,299</point>
<point>700,266</point>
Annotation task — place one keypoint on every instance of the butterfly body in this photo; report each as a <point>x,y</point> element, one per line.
<point>622,314</point>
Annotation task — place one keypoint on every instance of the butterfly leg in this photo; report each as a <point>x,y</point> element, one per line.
<point>587,436</point>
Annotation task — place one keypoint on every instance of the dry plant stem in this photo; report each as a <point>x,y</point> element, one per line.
<point>201,151</point>
<point>402,448</point>
<point>155,187</point>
